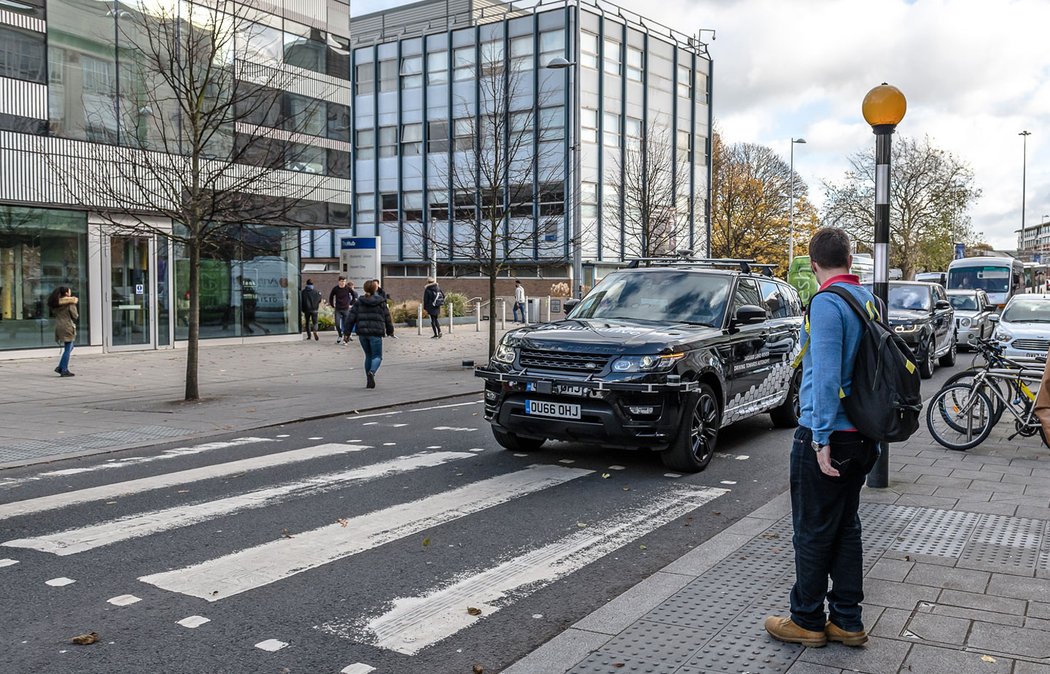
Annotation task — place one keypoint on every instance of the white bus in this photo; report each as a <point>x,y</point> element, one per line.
<point>1000,277</point>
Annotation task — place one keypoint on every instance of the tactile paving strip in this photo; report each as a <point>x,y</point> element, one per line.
<point>882,526</point>
<point>667,647</point>
<point>938,533</point>
<point>755,654</point>
<point>999,541</point>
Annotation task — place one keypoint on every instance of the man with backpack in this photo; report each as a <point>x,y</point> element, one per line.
<point>829,458</point>
<point>309,303</point>
<point>433,300</point>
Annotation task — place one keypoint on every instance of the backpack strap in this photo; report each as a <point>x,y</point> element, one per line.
<point>867,312</point>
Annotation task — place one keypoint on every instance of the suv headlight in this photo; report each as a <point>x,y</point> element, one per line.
<point>646,363</point>
<point>907,327</point>
<point>505,354</point>
<point>1003,336</point>
<point>964,322</point>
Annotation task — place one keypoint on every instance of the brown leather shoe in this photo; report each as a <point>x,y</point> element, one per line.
<point>836,633</point>
<point>783,628</point>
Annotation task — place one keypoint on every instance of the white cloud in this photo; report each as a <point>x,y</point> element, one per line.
<point>975,74</point>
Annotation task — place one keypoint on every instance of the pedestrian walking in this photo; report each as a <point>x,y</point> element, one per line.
<point>519,301</point>
<point>63,307</point>
<point>829,460</point>
<point>433,300</point>
<point>309,304</point>
<point>379,290</point>
<point>372,317</point>
<point>1042,400</point>
<point>342,297</point>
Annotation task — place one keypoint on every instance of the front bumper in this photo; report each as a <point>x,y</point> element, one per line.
<point>612,413</point>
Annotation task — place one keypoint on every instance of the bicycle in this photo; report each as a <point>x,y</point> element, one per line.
<point>961,416</point>
<point>992,352</point>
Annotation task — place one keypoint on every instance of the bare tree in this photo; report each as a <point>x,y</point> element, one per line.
<point>930,194</point>
<point>505,176</point>
<point>195,144</point>
<point>651,190</point>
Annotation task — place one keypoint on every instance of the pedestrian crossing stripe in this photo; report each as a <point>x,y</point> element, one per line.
<point>81,539</point>
<point>108,491</point>
<point>268,563</point>
<point>413,623</point>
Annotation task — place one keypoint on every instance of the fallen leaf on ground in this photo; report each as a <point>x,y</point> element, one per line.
<point>426,542</point>
<point>343,522</point>
<point>627,489</point>
<point>618,665</point>
<point>183,491</point>
<point>606,476</point>
<point>643,547</point>
<point>478,669</point>
<point>473,611</point>
<point>987,658</point>
<point>285,533</point>
<point>582,525</point>
<point>85,639</point>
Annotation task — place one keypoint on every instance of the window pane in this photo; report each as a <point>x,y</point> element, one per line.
<point>437,67</point>
<point>589,50</point>
<point>305,115</point>
<point>437,137</point>
<point>388,75</point>
<point>612,57</point>
<point>411,72</point>
<point>338,122</point>
<point>635,64</point>
<point>307,50</point>
<point>365,81</point>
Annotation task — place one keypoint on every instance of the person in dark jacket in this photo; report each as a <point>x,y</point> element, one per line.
<point>309,303</point>
<point>433,300</point>
<point>342,297</point>
<point>372,318</point>
<point>379,290</point>
<point>64,308</point>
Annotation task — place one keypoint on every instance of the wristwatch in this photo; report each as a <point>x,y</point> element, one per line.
<point>816,445</point>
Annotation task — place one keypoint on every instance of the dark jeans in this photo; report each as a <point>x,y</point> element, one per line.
<point>342,322</point>
<point>519,307</point>
<point>373,348</point>
<point>827,536</point>
<point>435,323</point>
<point>63,363</point>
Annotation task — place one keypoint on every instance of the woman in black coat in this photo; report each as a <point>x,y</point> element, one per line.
<point>433,299</point>
<point>372,318</point>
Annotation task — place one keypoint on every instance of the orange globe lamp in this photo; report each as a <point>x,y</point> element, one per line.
<point>884,106</point>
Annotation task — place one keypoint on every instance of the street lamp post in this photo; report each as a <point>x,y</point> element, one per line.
<point>883,108</point>
<point>791,203</point>
<point>1024,171</point>
<point>574,179</point>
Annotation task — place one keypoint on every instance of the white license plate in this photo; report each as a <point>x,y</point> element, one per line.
<point>542,408</point>
<point>565,390</point>
<point>1035,355</point>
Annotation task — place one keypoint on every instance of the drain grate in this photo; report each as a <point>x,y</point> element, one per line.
<point>938,533</point>
<point>999,541</point>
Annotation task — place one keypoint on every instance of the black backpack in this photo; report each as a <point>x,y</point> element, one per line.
<point>885,400</point>
<point>439,299</point>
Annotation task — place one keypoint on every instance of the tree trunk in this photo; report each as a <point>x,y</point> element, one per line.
<point>193,342</point>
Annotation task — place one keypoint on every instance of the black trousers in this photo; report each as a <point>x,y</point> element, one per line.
<point>435,323</point>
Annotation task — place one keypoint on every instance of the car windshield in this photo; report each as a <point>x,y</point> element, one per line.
<point>993,279</point>
<point>963,302</point>
<point>1028,311</point>
<point>909,298</point>
<point>658,296</point>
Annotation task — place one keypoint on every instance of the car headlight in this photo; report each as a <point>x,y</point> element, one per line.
<point>1003,336</point>
<point>646,363</point>
<point>505,354</point>
<point>907,327</point>
<point>964,322</point>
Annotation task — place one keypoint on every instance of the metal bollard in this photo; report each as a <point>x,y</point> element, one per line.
<point>451,318</point>
<point>419,320</point>
<point>477,316</point>
<point>502,314</point>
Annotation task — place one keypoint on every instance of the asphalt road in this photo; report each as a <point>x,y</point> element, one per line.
<point>405,541</point>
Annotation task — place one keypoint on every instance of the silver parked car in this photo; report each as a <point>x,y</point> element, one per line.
<point>972,310</point>
<point>1024,327</point>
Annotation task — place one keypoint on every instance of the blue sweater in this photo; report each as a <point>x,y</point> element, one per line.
<point>827,367</point>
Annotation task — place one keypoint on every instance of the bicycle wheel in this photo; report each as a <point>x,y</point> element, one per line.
<point>959,417</point>
<point>998,407</point>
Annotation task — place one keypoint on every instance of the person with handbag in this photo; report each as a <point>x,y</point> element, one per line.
<point>63,307</point>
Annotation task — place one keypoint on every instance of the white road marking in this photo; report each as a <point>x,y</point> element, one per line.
<point>8,562</point>
<point>54,501</point>
<point>81,539</point>
<point>742,457</point>
<point>271,645</point>
<point>617,468</point>
<point>135,460</point>
<point>728,481</point>
<point>456,429</point>
<point>316,438</point>
<point>261,565</point>
<point>194,621</point>
<point>59,582</point>
<point>389,444</point>
<point>124,600</point>
<point>357,668</point>
<point>434,447</point>
<point>567,461</point>
<point>418,409</point>
<point>284,435</point>
<point>672,475</point>
<point>520,454</point>
<point>398,425</point>
<point>413,623</point>
<point>477,450</point>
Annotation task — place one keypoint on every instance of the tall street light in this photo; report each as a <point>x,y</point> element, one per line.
<point>574,180</point>
<point>791,204</point>
<point>1024,171</point>
<point>883,108</point>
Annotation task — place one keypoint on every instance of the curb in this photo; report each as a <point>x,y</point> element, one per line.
<point>565,651</point>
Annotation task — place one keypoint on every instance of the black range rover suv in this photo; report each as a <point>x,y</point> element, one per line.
<point>660,355</point>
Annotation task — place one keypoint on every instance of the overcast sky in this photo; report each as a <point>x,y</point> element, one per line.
<point>975,74</point>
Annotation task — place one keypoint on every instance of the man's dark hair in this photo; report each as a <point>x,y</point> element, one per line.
<point>829,248</point>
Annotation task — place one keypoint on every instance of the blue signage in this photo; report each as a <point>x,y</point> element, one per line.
<point>960,250</point>
<point>357,243</point>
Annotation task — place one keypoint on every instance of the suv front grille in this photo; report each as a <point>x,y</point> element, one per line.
<point>566,362</point>
<point>1031,344</point>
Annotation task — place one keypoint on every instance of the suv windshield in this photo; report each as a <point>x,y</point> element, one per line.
<point>660,296</point>
<point>1028,311</point>
<point>963,302</point>
<point>910,298</point>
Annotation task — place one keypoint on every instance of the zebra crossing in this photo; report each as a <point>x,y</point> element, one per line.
<point>396,622</point>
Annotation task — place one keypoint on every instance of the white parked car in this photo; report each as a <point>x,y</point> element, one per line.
<point>972,311</point>
<point>1024,327</point>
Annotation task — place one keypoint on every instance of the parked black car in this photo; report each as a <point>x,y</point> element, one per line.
<point>660,356</point>
<point>922,315</point>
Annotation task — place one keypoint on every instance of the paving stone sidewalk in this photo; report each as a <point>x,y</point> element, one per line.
<point>131,399</point>
<point>957,564</point>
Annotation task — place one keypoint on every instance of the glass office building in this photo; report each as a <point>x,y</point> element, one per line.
<point>419,75</point>
<point>72,94</point>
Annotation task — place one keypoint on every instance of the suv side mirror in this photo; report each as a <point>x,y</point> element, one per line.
<point>942,304</point>
<point>569,305</point>
<point>749,314</point>
<point>994,318</point>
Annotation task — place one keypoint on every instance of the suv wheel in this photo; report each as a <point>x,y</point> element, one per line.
<point>694,445</point>
<point>516,443</point>
<point>927,365</point>
<point>786,416</point>
<point>948,359</point>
